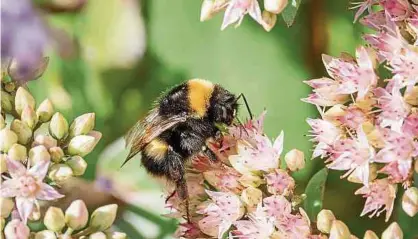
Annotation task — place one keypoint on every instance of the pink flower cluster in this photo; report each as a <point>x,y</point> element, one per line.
<point>369,124</point>
<point>246,194</point>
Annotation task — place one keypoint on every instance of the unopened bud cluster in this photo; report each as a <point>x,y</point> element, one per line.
<point>328,224</point>
<point>34,136</point>
<point>74,222</point>
<point>65,144</point>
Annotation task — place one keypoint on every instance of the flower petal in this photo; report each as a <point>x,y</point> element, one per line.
<point>48,193</point>
<point>24,207</point>
<point>40,169</point>
<point>278,143</point>
<point>15,168</point>
<point>232,14</point>
<point>9,188</point>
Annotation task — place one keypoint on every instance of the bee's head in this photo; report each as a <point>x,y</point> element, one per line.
<point>223,106</point>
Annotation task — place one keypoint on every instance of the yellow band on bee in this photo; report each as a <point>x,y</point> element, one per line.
<point>200,92</point>
<point>156,149</point>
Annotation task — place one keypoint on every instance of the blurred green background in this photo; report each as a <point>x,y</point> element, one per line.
<point>117,56</point>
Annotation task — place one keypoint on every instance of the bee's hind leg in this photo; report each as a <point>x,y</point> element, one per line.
<point>170,196</point>
<point>178,175</point>
<point>181,189</point>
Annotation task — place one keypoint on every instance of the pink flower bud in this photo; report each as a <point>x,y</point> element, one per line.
<point>7,139</point>
<point>370,235</point>
<point>23,132</point>
<point>16,229</point>
<point>83,124</point>
<point>269,20</point>
<point>45,111</point>
<point>23,99</point>
<point>251,197</point>
<point>393,232</point>
<point>295,160</point>
<point>45,140</point>
<point>81,145</point>
<point>56,154</point>
<point>410,201</point>
<point>29,117</point>
<point>37,154</point>
<point>54,219</point>
<point>339,230</point>
<point>97,235</point>
<point>325,220</point>
<point>17,152</point>
<point>76,215</point>
<point>275,6</point>
<point>60,172</point>
<point>103,217</point>
<point>206,11</point>
<point>45,234</point>
<point>58,127</point>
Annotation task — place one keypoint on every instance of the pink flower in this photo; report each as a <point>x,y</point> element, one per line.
<point>398,152</point>
<point>277,206</point>
<point>410,126</point>
<point>16,229</point>
<point>393,106</point>
<point>224,179</point>
<point>375,20</point>
<point>353,155</point>
<point>397,9</point>
<point>380,196</point>
<point>288,224</point>
<point>353,117</point>
<point>27,185</point>
<point>280,182</point>
<point>353,77</point>
<point>325,92</point>
<point>362,7</point>
<point>236,10</point>
<point>262,158</point>
<point>325,134</point>
<point>294,226</point>
<point>258,226</point>
<point>404,66</point>
<point>220,213</point>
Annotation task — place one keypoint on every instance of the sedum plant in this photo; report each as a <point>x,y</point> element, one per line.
<point>369,122</point>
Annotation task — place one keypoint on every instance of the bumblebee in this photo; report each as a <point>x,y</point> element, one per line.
<point>179,127</point>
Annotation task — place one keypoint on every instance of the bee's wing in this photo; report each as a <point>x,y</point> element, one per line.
<point>148,129</point>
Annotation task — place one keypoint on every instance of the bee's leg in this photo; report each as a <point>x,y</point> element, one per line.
<point>177,174</point>
<point>209,153</point>
<point>170,196</point>
<point>181,189</point>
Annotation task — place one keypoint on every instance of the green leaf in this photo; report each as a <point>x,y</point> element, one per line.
<point>289,13</point>
<point>315,193</point>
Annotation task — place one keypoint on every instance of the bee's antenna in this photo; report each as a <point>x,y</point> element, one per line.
<point>246,104</point>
